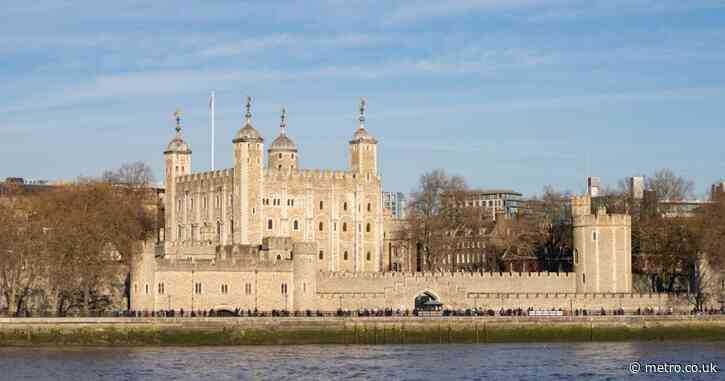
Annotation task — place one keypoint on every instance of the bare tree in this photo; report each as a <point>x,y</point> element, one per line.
<point>549,215</point>
<point>23,253</point>
<point>438,219</point>
<point>669,186</point>
<point>137,174</point>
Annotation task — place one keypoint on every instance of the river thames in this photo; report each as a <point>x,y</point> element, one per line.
<point>575,361</point>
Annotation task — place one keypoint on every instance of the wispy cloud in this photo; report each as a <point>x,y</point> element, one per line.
<point>422,10</point>
<point>288,41</point>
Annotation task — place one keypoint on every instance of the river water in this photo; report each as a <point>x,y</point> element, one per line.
<point>596,361</point>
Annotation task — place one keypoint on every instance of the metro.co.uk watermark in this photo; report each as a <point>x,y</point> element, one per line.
<point>636,367</point>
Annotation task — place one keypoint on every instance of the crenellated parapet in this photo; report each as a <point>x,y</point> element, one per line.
<point>602,219</point>
<point>316,175</point>
<point>462,276</point>
<point>210,175</point>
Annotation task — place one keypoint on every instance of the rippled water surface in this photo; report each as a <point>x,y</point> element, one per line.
<point>601,361</point>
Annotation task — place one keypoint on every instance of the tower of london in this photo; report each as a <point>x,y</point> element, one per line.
<point>267,235</point>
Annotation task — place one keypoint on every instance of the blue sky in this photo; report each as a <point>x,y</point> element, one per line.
<point>516,93</point>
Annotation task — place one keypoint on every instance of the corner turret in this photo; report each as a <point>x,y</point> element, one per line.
<point>177,158</point>
<point>283,151</point>
<point>363,147</point>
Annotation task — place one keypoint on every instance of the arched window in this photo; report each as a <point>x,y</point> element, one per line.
<point>344,226</point>
<point>584,278</point>
<point>321,226</point>
<point>367,228</point>
<point>296,225</point>
<point>322,204</point>
<point>344,255</point>
<point>279,155</point>
<point>322,255</point>
<point>370,206</point>
<point>344,206</point>
<point>269,224</point>
<point>368,256</point>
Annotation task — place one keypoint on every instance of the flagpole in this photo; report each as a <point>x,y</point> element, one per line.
<point>211,105</point>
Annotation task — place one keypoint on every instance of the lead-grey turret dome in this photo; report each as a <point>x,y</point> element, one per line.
<point>283,143</point>
<point>177,145</point>
<point>248,134</point>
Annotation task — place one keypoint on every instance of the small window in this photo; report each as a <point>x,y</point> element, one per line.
<point>584,278</point>
<point>293,155</point>
<point>576,257</point>
<point>367,228</point>
<point>322,205</point>
<point>322,255</point>
<point>344,255</point>
<point>321,226</point>
<point>344,226</point>
<point>279,156</point>
<point>225,289</point>
<point>269,224</point>
<point>594,236</point>
<point>279,166</point>
<point>147,289</point>
<point>248,288</point>
<point>368,256</point>
<point>197,288</point>
<point>344,206</point>
<point>161,289</point>
<point>370,206</point>
<point>283,288</point>
<point>295,225</point>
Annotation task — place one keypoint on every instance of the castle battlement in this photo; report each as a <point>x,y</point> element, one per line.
<point>443,275</point>
<point>602,219</point>
<point>209,175</point>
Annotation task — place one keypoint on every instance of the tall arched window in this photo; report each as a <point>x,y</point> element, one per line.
<point>296,225</point>
<point>344,226</point>
<point>368,256</point>
<point>344,255</point>
<point>344,206</point>
<point>322,204</point>
<point>322,255</point>
<point>367,228</point>
<point>321,226</point>
<point>370,206</point>
<point>269,224</point>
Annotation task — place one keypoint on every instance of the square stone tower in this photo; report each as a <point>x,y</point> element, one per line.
<point>602,249</point>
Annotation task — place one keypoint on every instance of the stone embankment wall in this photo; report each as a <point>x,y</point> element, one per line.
<point>245,331</point>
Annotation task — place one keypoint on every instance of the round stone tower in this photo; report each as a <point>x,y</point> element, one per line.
<point>304,264</point>
<point>177,161</point>
<point>283,151</point>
